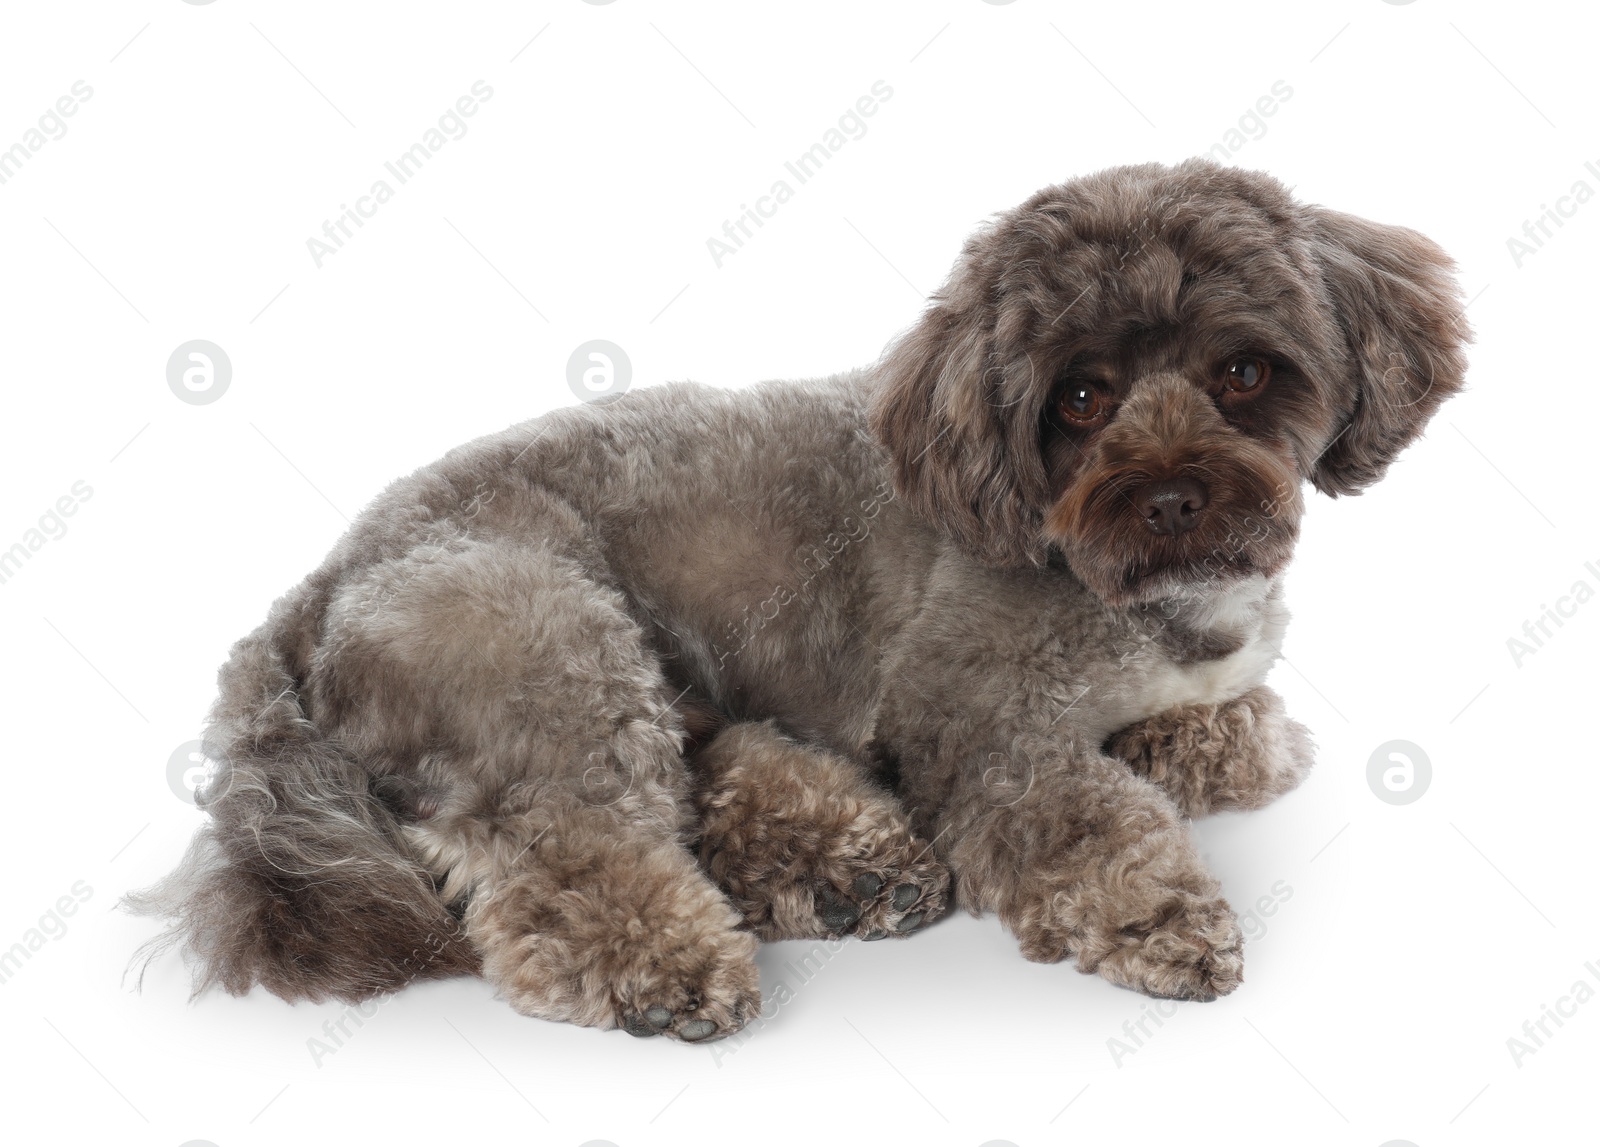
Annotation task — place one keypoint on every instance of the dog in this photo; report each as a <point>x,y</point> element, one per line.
<point>590,706</point>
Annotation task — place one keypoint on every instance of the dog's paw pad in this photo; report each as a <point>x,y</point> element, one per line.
<point>654,1021</point>
<point>691,993</point>
<point>911,892</point>
<point>883,910</point>
<point>659,1019</point>
<point>682,1024</point>
<point>868,885</point>
<point>836,913</point>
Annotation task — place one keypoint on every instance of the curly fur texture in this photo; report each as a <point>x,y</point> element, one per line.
<point>301,881</point>
<point>1238,755</point>
<point>590,705</point>
<point>806,844</point>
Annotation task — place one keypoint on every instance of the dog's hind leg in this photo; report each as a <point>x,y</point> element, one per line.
<point>513,690</point>
<point>806,845</point>
<point>598,923</point>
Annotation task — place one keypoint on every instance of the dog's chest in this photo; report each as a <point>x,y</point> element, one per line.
<point>1156,681</point>
<point>1207,682</point>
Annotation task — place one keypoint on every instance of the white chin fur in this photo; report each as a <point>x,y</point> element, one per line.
<point>1248,608</point>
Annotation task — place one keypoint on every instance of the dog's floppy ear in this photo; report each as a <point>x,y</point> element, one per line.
<point>1395,296</point>
<point>957,444</point>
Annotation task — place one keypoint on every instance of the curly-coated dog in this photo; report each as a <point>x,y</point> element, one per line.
<point>589,706</point>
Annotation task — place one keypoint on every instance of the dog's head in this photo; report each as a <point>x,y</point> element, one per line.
<point>1141,366</point>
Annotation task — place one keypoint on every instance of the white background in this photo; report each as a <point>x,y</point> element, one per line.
<point>1417,939</point>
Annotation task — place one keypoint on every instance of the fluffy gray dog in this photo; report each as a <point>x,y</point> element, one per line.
<point>590,705</point>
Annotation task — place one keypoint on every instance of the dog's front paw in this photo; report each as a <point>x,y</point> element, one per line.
<point>1239,754</point>
<point>1195,953</point>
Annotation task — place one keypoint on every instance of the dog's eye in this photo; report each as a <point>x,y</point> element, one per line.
<point>1081,403</point>
<point>1246,374</point>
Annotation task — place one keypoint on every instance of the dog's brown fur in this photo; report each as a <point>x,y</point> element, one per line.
<point>589,705</point>
<point>806,844</point>
<point>1238,755</point>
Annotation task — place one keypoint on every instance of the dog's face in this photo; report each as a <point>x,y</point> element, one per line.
<point>1139,368</point>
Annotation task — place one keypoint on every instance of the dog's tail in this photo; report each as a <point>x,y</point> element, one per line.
<point>301,881</point>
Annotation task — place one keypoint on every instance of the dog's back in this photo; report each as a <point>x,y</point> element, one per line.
<point>729,528</point>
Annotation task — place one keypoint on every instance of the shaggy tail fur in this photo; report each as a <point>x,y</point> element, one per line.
<point>302,881</point>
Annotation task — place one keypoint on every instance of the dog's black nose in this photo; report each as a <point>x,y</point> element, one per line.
<point>1171,507</point>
